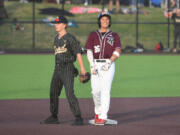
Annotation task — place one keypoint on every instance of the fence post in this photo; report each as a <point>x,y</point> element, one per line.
<point>137,22</point>
<point>168,24</point>
<point>33,25</point>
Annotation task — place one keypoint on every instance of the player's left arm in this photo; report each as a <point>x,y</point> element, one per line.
<point>77,51</point>
<point>116,54</point>
<point>117,48</point>
<point>81,64</point>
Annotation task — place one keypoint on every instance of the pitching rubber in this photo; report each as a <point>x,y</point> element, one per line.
<point>109,122</point>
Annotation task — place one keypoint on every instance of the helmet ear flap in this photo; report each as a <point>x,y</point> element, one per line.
<point>109,22</point>
<point>99,23</point>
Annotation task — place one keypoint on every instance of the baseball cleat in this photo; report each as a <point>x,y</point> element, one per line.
<point>96,118</point>
<point>50,120</point>
<point>100,122</point>
<point>78,122</point>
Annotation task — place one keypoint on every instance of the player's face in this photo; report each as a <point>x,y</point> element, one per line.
<point>60,26</point>
<point>104,22</point>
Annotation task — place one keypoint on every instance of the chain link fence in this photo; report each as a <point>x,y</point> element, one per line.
<point>146,26</point>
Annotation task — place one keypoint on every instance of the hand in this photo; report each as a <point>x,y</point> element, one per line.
<point>94,70</point>
<point>106,66</point>
<point>83,71</point>
<point>84,78</point>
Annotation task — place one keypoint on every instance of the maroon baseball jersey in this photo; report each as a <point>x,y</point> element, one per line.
<point>103,46</point>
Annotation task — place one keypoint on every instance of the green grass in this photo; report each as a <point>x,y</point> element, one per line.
<point>149,35</point>
<point>29,76</point>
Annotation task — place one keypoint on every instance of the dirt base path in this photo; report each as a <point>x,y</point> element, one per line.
<point>135,116</point>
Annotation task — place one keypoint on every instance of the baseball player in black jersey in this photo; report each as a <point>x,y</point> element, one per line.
<point>67,50</point>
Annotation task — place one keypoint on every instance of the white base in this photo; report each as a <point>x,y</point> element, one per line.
<point>109,122</point>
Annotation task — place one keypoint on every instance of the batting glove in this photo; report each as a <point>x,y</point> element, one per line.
<point>106,66</point>
<point>94,70</point>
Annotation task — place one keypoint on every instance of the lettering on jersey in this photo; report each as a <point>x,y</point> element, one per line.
<point>97,48</point>
<point>110,40</point>
<point>61,49</point>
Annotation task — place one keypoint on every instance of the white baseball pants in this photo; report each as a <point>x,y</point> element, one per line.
<point>101,87</point>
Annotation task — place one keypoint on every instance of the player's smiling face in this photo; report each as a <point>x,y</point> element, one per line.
<point>104,22</point>
<point>60,26</point>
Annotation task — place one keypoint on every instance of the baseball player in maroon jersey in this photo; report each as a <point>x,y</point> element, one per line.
<point>103,48</point>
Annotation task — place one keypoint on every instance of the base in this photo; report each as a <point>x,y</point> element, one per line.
<point>109,122</point>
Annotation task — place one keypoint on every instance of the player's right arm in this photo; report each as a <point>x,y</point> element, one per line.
<point>89,48</point>
<point>91,62</point>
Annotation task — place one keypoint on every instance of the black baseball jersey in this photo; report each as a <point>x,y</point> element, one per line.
<point>66,49</point>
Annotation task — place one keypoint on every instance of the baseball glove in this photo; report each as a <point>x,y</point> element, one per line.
<point>84,78</point>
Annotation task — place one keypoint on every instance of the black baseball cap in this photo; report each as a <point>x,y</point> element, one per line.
<point>60,19</point>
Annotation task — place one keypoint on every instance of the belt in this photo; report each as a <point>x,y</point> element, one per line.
<point>99,60</point>
<point>59,64</point>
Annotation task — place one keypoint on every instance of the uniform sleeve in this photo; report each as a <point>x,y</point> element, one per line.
<point>89,42</point>
<point>117,43</point>
<point>75,46</point>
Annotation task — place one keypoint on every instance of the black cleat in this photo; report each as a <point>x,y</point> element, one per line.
<point>78,122</point>
<point>50,120</point>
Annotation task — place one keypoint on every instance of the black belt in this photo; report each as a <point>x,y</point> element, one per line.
<point>101,61</point>
<point>61,63</point>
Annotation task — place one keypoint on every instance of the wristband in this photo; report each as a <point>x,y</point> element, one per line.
<point>116,53</point>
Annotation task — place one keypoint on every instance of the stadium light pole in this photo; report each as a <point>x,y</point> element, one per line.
<point>33,25</point>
